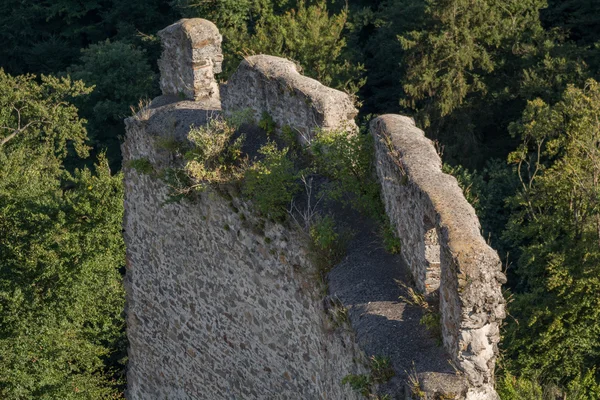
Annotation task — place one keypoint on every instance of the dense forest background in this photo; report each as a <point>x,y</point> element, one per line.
<point>507,89</point>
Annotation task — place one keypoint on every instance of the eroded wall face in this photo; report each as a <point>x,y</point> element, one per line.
<point>412,218</point>
<point>219,305</point>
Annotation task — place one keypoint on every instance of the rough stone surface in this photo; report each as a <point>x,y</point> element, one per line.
<point>429,211</point>
<point>386,325</point>
<point>273,85</point>
<point>191,56</point>
<point>220,305</point>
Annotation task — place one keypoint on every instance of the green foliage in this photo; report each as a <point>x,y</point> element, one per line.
<point>39,116</point>
<point>381,372</point>
<point>314,39</point>
<point>305,33</point>
<point>487,192</point>
<point>328,243</point>
<point>448,59</point>
<point>215,156</point>
<point>272,182</point>
<point>337,313</point>
<point>576,17</point>
<point>432,318</point>
<point>45,37</point>
<point>391,242</point>
<point>358,383</point>
<point>267,123</point>
<point>60,251</point>
<point>120,75</point>
<point>373,30</point>
<point>510,387</point>
<point>142,165</point>
<point>556,224</point>
<point>381,369</point>
<point>346,159</point>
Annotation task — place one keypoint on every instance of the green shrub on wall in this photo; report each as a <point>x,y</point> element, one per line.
<point>271,183</point>
<point>346,158</point>
<point>216,156</point>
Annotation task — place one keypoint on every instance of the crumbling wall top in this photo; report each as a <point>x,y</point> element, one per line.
<point>273,85</point>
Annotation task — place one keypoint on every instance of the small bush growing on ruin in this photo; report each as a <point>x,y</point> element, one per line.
<point>290,138</point>
<point>171,144</point>
<point>391,242</point>
<point>328,245</point>
<point>381,369</point>
<point>267,123</point>
<point>215,155</point>
<point>432,318</point>
<point>271,183</point>
<point>381,372</point>
<point>240,117</point>
<point>141,165</point>
<point>337,313</point>
<point>346,158</point>
<point>414,383</point>
<point>358,383</point>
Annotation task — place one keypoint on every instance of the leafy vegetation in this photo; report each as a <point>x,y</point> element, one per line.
<point>271,183</point>
<point>556,221</point>
<point>381,372</point>
<point>60,250</point>
<point>215,156</point>
<point>430,306</point>
<point>346,158</point>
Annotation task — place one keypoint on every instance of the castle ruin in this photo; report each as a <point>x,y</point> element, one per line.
<point>220,309</point>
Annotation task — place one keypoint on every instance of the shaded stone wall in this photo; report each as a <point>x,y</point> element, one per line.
<point>273,85</point>
<point>220,304</point>
<point>442,244</point>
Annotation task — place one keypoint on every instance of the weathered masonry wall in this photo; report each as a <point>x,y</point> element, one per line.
<point>442,243</point>
<point>274,85</point>
<point>220,305</point>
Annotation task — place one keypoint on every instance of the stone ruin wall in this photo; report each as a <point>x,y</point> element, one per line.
<point>443,246</point>
<point>217,310</point>
<point>190,59</point>
<point>220,304</point>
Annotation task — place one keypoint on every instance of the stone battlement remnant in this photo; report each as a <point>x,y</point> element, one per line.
<point>191,57</point>
<point>273,85</point>
<point>443,246</point>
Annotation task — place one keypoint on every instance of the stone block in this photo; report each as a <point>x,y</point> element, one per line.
<point>191,56</point>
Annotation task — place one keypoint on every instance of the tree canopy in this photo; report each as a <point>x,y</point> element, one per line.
<point>61,298</point>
